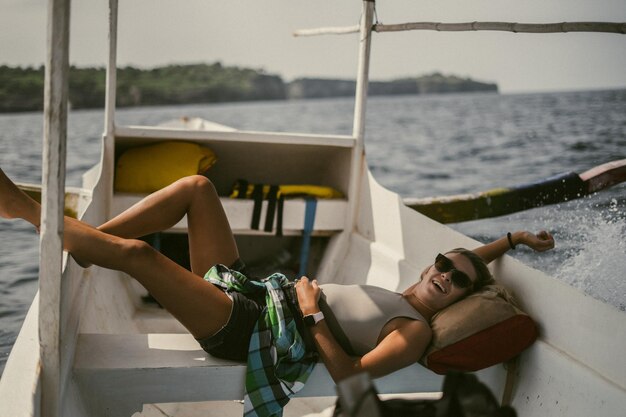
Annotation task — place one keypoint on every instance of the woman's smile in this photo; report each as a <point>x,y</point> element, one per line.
<point>438,283</point>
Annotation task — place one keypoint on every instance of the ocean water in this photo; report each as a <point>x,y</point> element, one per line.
<point>418,146</point>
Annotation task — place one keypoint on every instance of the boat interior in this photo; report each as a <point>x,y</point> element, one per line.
<point>95,343</point>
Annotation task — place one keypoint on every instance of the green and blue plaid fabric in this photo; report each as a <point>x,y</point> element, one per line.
<point>278,363</point>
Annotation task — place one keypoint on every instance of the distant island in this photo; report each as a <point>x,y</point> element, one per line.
<point>427,84</point>
<point>21,89</point>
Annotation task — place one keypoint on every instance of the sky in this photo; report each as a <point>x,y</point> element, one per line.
<point>258,34</point>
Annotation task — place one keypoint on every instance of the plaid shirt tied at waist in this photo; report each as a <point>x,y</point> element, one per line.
<point>278,361</point>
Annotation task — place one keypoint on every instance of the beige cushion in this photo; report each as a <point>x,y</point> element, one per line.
<point>481,330</point>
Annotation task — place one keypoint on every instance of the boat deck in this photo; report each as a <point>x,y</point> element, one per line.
<point>121,372</point>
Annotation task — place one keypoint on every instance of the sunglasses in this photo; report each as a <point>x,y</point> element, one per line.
<point>459,278</point>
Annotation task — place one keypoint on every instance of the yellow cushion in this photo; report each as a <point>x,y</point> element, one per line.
<point>144,169</point>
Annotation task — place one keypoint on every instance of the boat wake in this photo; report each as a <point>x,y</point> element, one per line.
<point>597,263</point>
<point>590,252</point>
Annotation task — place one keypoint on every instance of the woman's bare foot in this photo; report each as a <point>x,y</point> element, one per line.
<point>15,204</point>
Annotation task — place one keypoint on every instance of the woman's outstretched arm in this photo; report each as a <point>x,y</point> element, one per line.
<point>540,242</point>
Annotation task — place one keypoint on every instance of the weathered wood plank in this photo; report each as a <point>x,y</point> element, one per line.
<point>53,185</point>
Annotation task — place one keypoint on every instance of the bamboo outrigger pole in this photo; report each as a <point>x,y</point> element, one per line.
<point>560,27</point>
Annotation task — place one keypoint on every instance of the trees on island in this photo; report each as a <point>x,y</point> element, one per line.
<point>21,89</point>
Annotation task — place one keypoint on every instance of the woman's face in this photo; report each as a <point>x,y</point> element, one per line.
<point>437,289</point>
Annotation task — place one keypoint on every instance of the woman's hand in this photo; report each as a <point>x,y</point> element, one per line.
<point>308,294</point>
<point>540,241</point>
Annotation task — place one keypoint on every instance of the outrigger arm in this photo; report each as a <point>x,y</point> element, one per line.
<point>502,201</point>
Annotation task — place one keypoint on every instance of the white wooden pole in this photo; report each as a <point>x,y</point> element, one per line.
<point>365,39</point>
<point>358,127</point>
<point>53,195</point>
<point>111,78</point>
<point>342,30</point>
<point>105,183</point>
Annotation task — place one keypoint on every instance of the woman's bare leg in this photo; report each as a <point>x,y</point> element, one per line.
<point>198,305</point>
<point>211,240</point>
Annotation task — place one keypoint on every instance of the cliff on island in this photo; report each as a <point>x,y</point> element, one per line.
<point>21,89</point>
<point>428,84</point>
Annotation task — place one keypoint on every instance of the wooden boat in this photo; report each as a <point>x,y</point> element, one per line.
<point>91,346</point>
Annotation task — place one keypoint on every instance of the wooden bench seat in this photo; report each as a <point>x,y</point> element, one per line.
<point>119,373</point>
<point>329,218</point>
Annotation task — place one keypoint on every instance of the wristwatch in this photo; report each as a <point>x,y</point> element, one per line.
<point>312,319</point>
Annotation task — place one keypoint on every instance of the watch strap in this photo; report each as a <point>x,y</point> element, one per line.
<point>313,319</point>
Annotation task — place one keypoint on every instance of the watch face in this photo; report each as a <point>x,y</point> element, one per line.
<point>309,320</point>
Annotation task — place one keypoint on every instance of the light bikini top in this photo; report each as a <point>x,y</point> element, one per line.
<point>356,314</point>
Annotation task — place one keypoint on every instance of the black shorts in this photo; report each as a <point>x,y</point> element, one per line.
<point>232,340</point>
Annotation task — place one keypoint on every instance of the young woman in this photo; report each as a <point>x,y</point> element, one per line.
<point>222,322</point>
